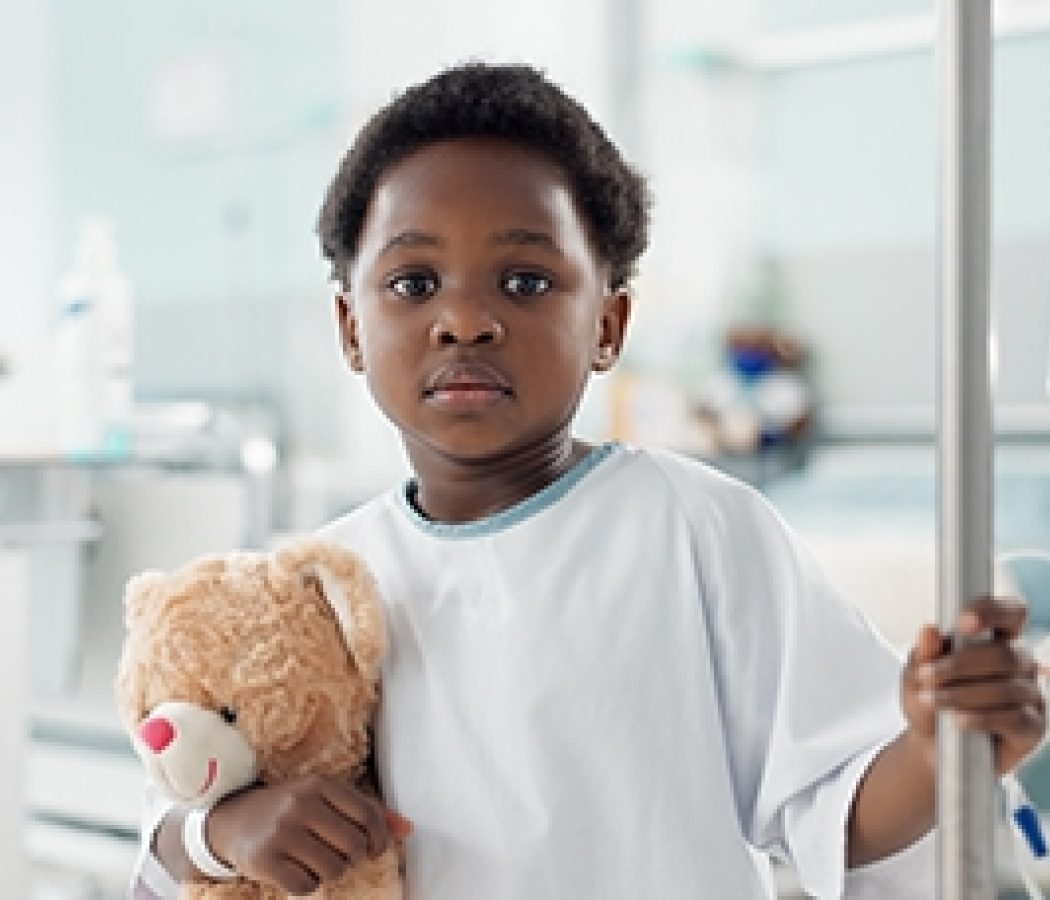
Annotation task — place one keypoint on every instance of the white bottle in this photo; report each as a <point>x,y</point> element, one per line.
<point>94,350</point>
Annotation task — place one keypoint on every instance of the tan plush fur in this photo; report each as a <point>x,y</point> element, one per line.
<point>254,632</point>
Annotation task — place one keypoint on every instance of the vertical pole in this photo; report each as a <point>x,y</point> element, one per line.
<point>965,778</point>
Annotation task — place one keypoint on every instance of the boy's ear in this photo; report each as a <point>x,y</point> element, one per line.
<point>616,312</point>
<point>348,338</point>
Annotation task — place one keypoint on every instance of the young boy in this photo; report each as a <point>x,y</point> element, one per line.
<point>613,672</point>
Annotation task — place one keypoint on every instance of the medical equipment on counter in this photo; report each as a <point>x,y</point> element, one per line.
<point>94,350</point>
<point>759,399</point>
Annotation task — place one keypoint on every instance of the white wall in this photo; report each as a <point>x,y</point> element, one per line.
<point>390,45</point>
<point>700,150</point>
<point>849,204</point>
<point>27,233</point>
<point>26,160</point>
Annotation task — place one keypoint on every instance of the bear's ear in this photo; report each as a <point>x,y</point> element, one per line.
<point>139,595</point>
<point>348,588</point>
<point>323,580</point>
<point>356,614</point>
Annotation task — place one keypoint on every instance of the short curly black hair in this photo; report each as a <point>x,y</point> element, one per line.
<point>513,102</point>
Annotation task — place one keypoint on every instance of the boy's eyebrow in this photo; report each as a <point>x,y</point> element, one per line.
<point>412,238</point>
<point>524,236</point>
<point>512,236</point>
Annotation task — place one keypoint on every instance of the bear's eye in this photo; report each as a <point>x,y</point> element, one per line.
<point>228,714</point>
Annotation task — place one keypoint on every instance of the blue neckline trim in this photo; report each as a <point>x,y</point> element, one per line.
<point>512,515</point>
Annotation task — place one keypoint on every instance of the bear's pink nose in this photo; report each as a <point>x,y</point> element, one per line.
<point>156,733</point>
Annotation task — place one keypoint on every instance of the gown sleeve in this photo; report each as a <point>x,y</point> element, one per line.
<point>809,695</point>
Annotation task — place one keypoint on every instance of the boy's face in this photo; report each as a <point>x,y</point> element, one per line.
<point>476,305</point>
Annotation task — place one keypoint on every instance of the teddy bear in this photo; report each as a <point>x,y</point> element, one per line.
<point>251,666</point>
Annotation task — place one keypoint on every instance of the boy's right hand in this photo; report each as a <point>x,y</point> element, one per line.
<point>301,833</point>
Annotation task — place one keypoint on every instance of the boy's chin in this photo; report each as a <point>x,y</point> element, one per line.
<point>472,452</point>
<point>473,449</point>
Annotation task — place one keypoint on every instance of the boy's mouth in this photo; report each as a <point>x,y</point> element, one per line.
<point>466,383</point>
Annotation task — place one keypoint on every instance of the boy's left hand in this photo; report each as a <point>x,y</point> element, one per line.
<point>991,686</point>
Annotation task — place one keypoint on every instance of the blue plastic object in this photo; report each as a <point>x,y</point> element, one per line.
<point>750,363</point>
<point>1027,820</point>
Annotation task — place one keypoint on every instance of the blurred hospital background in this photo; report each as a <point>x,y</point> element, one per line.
<point>784,329</point>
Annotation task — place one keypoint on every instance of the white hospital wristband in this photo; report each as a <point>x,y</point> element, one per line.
<point>196,847</point>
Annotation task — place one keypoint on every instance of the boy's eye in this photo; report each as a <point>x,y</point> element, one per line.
<point>413,285</point>
<point>526,284</point>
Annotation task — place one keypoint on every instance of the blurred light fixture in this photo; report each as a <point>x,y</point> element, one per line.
<point>258,456</point>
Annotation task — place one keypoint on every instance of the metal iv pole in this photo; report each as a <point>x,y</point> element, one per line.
<point>965,777</point>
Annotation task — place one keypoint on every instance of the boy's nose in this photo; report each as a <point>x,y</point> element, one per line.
<point>485,333</point>
<point>462,325</point>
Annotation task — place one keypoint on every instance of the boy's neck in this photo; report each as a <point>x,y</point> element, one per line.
<point>454,491</point>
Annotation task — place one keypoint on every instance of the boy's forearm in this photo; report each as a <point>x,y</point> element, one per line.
<point>895,803</point>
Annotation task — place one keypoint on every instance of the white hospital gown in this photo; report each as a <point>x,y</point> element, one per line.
<point>633,684</point>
